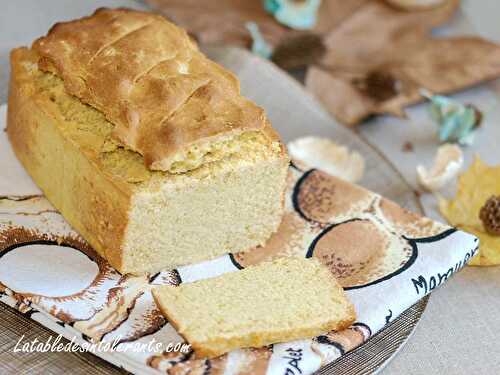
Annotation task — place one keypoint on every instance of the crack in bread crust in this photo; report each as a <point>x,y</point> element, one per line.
<point>142,73</point>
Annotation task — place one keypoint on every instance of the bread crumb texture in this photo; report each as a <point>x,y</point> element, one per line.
<point>88,127</point>
<point>278,301</point>
<point>222,196</point>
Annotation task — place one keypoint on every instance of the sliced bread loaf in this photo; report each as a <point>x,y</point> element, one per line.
<point>279,301</point>
<point>145,146</point>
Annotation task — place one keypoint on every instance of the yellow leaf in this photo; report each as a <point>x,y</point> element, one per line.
<point>475,186</point>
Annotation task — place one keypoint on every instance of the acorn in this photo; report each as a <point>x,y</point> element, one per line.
<point>490,215</point>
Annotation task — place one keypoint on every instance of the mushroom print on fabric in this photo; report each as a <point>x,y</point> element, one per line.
<point>367,242</point>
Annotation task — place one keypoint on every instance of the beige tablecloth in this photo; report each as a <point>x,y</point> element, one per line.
<point>457,332</point>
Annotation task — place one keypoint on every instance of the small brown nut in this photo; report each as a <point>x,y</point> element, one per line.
<point>490,215</point>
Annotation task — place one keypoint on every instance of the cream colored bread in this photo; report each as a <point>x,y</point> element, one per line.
<point>279,301</point>
<point>219,193</point>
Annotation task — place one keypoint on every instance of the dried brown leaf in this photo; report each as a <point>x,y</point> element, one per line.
<point>221,21</point>
<point>446,65</point>
<point>339,95</point>
<point>375,33</point>
<point>438,65</point>
<point>334,12</point>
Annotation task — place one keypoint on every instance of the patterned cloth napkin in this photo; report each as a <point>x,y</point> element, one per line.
<point>385,257</point>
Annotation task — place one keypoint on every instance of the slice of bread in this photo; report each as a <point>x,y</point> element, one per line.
<point>279,301</point>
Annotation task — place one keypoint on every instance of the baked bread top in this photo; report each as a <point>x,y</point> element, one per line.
<point>88,129</point>
<point>166,100</point>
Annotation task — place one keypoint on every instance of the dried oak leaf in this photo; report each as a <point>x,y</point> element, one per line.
<point>401,50</point>
<point>373,34</point>
<point>223,21</point>
<point>438,65</point>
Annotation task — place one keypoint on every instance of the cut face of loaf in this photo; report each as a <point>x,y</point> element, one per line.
<point>284,300</point>
<point>138,219</point>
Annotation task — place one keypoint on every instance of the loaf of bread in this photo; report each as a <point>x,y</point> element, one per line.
<point>145,146</point>
<point>279,301</point>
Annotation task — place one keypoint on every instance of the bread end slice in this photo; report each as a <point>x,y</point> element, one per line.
<point>279,301</point>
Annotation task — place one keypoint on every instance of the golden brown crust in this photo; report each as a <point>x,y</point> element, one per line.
<point>92,202</point>
<point>219,346</point>
<point>150,80</point>
<point>175,324</point>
